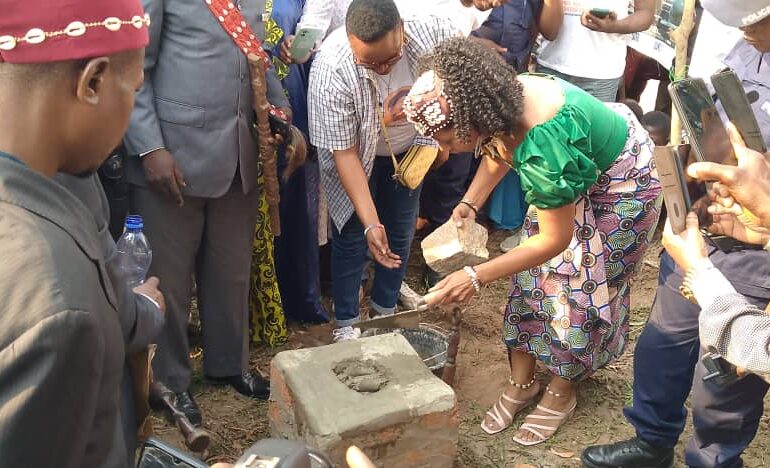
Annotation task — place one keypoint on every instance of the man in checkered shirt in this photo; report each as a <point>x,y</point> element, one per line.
<point>356,68</point>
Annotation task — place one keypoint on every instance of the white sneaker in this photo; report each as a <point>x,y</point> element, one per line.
<point>408,298</point>
<point>511,242</point>
<point>346,334</point>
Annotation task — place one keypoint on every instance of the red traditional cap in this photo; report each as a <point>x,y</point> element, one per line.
<point>40,31</point>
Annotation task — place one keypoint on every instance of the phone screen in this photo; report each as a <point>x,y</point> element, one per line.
<point>702,122</point>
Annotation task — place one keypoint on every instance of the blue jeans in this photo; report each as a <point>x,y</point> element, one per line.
<point>667,365</point>
<point>397,208</point>
<point>602,89</point>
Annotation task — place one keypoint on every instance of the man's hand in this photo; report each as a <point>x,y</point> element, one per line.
<point>688,247</point>
<point>163,175</point>
<point>377,240</point>
<point>284,53</point>
<point>748,183</point>
<point>490,44</point>
<point>729,225</point>
<point>594,23</point>
<point>150,289</point>
<point>463,213</point>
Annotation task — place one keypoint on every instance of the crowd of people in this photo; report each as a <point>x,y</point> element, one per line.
<point>524,106</point>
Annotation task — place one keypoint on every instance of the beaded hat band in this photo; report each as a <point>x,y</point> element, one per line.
<point>40,31</point>
<point>427,107</point>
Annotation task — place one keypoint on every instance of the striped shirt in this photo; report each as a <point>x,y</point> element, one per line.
<point>343,99</point>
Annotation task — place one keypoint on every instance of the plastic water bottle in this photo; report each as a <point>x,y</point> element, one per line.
<point>134,253</point>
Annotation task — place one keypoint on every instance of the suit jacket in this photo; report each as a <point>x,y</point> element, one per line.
<point>140,318</point>
<point>196,100</point>
<point>61,344</point>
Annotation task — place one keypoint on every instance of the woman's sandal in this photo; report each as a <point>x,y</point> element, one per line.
<point>500,414</point>
<point>552,415</point>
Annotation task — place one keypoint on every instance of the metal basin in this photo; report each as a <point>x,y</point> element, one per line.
<point>429,341</point>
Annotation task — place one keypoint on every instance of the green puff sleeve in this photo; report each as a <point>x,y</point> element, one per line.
<point>553,160</point>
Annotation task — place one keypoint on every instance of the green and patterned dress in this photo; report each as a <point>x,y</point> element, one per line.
<point>572,312</point>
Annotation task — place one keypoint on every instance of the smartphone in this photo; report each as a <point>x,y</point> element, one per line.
<point>700,119</point>
<point>303,44</point>
<point>158,454</point>
<point>600,12</point>
<point>674,183</point>
<point>733,98</point>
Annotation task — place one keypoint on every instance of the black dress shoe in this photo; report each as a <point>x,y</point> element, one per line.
<point>249,383</point>
<point>185,403</point>
<point>631,453</point>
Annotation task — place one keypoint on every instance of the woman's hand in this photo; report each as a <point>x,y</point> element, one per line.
<point>463,213</point>
<point>377,240</point>
<point>455,288</point>
<point>688,247</point>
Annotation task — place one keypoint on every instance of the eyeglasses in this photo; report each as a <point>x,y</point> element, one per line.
<point>387,62</point>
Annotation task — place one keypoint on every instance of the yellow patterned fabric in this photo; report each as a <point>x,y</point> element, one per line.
<point>268,324</point>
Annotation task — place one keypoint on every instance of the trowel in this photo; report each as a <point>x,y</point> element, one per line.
<point>406,319</point>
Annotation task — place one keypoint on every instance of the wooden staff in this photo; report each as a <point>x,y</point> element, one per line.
<point>267,150</point>
<point>448,374</point>
<point>195,438</point>
<point>680,37</point>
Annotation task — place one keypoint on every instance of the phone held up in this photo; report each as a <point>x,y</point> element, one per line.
<point>710,142</point>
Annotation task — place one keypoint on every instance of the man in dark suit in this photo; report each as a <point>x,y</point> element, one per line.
<point>67,82</point>
<point>194,180</point>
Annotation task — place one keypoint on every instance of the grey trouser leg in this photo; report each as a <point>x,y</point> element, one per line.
<point>209,238</point>
<point>223,272</point>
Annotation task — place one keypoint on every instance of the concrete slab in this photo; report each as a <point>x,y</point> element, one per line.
<point>309,401</point>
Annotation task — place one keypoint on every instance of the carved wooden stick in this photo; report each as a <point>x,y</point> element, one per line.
<point>267,150</point>
<point>680,37</point>
<point>448,375</point>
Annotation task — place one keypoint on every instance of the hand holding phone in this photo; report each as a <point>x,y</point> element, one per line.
<point>303,43</point>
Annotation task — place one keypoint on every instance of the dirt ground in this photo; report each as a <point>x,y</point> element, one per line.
<point>236,422</point>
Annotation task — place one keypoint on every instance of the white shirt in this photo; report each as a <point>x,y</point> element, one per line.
<point>581,52</point>
<point>328,15</point>
<point>401,134</point>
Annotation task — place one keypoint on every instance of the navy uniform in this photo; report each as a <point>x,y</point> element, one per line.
<point>667,358</point>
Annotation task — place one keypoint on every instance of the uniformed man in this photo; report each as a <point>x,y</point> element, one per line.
<point>68,74</point>
<point>666,361</point>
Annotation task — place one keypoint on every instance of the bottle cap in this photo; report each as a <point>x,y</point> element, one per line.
<point>134,222</point>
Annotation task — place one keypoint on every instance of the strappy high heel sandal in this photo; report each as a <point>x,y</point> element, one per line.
<point>500,415</point>
<point>557,417</point>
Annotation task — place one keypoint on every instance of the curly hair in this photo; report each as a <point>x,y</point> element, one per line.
<point>483,88</point>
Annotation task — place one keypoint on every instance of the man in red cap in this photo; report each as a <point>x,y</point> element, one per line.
<point>68,73</point>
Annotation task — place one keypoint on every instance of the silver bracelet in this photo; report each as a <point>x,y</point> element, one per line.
<point>370,227</point>
<point>474,278</point>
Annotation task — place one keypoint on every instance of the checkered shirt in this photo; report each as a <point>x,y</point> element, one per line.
<point>342,104</point>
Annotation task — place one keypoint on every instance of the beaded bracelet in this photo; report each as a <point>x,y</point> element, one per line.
<point>471,272</point>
